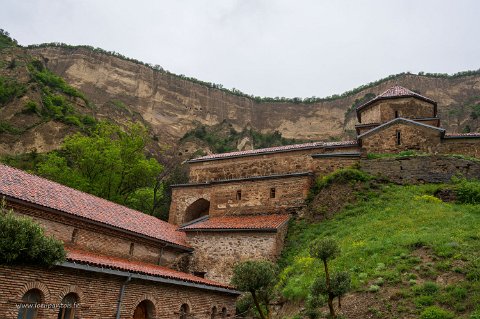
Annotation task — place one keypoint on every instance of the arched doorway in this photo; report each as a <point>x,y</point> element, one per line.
<point>197,209</point>
<point>144,310</point>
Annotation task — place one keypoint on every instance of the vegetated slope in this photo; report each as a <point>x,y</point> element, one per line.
<point>405,249</point>
<point>174,105</point>
<point>37,108</point>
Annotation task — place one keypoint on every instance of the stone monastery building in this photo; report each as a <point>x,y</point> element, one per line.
<point>124,264</point>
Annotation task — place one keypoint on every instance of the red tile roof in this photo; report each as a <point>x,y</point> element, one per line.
<point>462,135</point>
<point>88,258</point>
<point>275,149</point>
<point>247,222</point>
<point>33,189</point>
<point>396,91</point>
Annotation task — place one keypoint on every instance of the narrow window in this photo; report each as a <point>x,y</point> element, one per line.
<point>224,312</point>
<point>184,311</point>
<point>27,308</point>
<point>67,310</point>
<point>214,313</point>
<point>239,195</point>
<point>132,247</point>
<point>399,138</point>
<point>396,114</point>
<point>74,235</point>
<point>272,192</point>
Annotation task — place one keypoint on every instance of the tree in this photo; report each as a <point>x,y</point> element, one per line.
<point>256,277</point>
<point>110,163</point>
<point>23,242</point>
<point>335,285</point>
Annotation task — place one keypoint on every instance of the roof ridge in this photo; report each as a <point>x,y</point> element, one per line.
<point>400,119</point>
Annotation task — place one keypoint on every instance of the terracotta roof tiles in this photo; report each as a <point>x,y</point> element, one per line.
<point>88,258</point>
<point>275,149</point>
<point>37,190</point>
<point>246,222</point>
<point>396,91</point>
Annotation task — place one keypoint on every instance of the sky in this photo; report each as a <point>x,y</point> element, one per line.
<point>290,48</point>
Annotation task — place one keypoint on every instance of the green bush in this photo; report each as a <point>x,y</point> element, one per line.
<point>72,119</point>
<point>342,176</point>
<point>23,242</point>
<point>436,313</point>
<point>30,107</point>
<point>422,301</point>
<point>468,192</point>
<point>10,89</point>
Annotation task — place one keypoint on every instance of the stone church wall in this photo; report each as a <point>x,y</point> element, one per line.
<point>98,294</point>
<point>421,169</point>
<point>463,146</point>
<point>384,110</point>
<point>259,165</point>
<point>413,137</point>
<point>290,193</point>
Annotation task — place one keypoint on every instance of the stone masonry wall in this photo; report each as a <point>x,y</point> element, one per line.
<point>216,253</point>
<point>290,193</point>
<point>413,137</point>
<point>98,294</point>
<point>421,169</point>
<point>326,165</point>
<point>100,240</point>
<point>259,165</point>
<point>463,146</point>
<point>384,110</point>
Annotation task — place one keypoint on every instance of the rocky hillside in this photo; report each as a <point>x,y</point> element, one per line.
<point>172,106</point>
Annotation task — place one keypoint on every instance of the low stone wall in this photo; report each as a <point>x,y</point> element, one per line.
<point>421,169</point>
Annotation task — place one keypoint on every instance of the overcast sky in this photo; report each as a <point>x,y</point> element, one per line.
<point>269,48</point>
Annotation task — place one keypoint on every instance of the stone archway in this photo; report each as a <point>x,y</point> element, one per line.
<point>197,209</point>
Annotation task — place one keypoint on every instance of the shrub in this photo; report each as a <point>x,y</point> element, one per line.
<point>422,301</point>
<point>10,89</point>
<point>468,192</point>
<point>23,242</point>
<point>31,107</point>
<point>436,313</point>
<point>342,176</point>
<point>374,288</point>
<point>475,315</point>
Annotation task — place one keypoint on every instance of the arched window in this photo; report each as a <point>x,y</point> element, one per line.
<point>29,300</point>
<point>184,311</point>
<point>214,313</point>
<point>224,312</point>
<point>144,310</point>
<point>197,209</point>
<point>68,306</point>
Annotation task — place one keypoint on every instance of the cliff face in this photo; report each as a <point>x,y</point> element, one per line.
<point>170,106</point>
<point>173,106</point>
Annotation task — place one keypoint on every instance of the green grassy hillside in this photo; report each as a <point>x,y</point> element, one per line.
<point>405,249</point>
